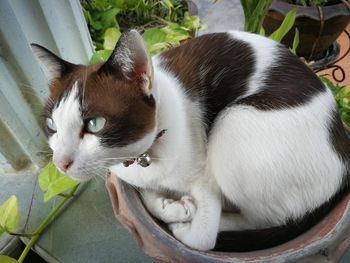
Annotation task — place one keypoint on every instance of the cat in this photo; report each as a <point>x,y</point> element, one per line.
<point>225,116</point>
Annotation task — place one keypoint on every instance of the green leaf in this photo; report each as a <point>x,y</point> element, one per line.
<point>6,259</point>
<point>191,22</point>
<point>345,103</point>
<point>342,96</point>
<point>60,185</point>
<point>108,18</point>
<point>9,215</point>
<point>344,93</point>
<point>284,28</point>
<point>345,116</point>
<point>262,31</point>
<point>101,4</point>
<point>133,4</point>
<point>153,36</point>
<point>111,37</point>
<point>334,88</point>
<point>158,47</point>
<point>169,4</point>
<point>87,16</point>
<point>295,42</point>
<point>159,39</point>
<point>248,7</point>
<point>53,182</point>
<point>100,56</point>
<point>117,3</point>
<point>93,20</point>
<point>254,13</point>
<point>47,175</point>
<point>175,33</point>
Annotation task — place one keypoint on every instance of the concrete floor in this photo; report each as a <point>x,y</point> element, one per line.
<point>222,16</point>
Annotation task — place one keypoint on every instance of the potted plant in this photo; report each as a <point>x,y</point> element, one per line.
<point>319,22</point>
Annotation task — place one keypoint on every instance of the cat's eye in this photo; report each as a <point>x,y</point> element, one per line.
<point>51,124</point>
<point>95,124</point>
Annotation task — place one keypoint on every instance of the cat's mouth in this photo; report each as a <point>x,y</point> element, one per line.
<point>84,174</point>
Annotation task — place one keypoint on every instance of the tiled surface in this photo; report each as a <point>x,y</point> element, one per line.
<point>86,231</point>
<point>22,185</point>
<point>222,16</point>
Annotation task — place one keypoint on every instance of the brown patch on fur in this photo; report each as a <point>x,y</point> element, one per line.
<point>213,69</point>
<point>129,114</point>
<point>289,83</point>
<point>60,86</point>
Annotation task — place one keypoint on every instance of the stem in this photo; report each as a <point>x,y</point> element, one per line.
<point>159,19</point>
<point>64,195</point>
<point>45,222</point>
<point>23,234</point>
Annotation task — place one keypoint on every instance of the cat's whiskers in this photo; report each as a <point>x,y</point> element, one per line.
<point>119,158</point>
<point>95,171</point>
<point>83,102</point>
<point>28,89</point>
<point>162,159</point>
<point>126,158</point>
<point>27,85</point>
<point>45,152</point>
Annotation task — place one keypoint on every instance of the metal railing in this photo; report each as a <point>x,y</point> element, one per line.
<point>57,25</point>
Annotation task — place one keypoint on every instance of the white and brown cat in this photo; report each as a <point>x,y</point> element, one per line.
<point>231,116</point>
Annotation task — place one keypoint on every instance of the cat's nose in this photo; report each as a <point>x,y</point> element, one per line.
<point>64,164</point>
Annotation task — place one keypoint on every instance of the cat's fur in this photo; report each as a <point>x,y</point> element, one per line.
<point>244,118</point>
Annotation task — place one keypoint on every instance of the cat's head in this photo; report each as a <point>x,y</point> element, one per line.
<point>101,114</point>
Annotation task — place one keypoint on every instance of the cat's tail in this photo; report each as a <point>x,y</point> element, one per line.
<point>250,240</point>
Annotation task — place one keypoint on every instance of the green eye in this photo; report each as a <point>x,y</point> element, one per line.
<point>96,124</point>
<point>51,124</point>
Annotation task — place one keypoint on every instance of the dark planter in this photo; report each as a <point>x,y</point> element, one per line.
<point>319,27</point>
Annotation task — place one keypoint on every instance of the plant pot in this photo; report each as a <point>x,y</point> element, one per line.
<point>325,242</point>
<point>319,27</point>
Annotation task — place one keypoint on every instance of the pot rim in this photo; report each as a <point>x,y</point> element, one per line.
<point>333,229</point>
<point>312,12</point>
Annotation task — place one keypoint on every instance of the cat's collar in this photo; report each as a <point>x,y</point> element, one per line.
<point>143,159</point>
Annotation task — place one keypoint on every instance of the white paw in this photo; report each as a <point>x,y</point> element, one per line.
<point>174,211</point>
<point>184,233</point>
<point>179,230</point>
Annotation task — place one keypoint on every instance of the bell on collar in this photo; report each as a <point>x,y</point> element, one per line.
<point>144,160</point>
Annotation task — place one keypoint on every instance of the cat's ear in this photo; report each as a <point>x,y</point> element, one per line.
<point>131,60</point>
<point>53,66</point>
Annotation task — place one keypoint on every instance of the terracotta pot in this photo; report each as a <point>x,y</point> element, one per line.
<point>319,27</point>
<point>325,242</point>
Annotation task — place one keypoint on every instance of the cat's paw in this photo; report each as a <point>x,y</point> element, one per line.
<point>179,230</point>
<point>175,211</point>
<point>184,233</point>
